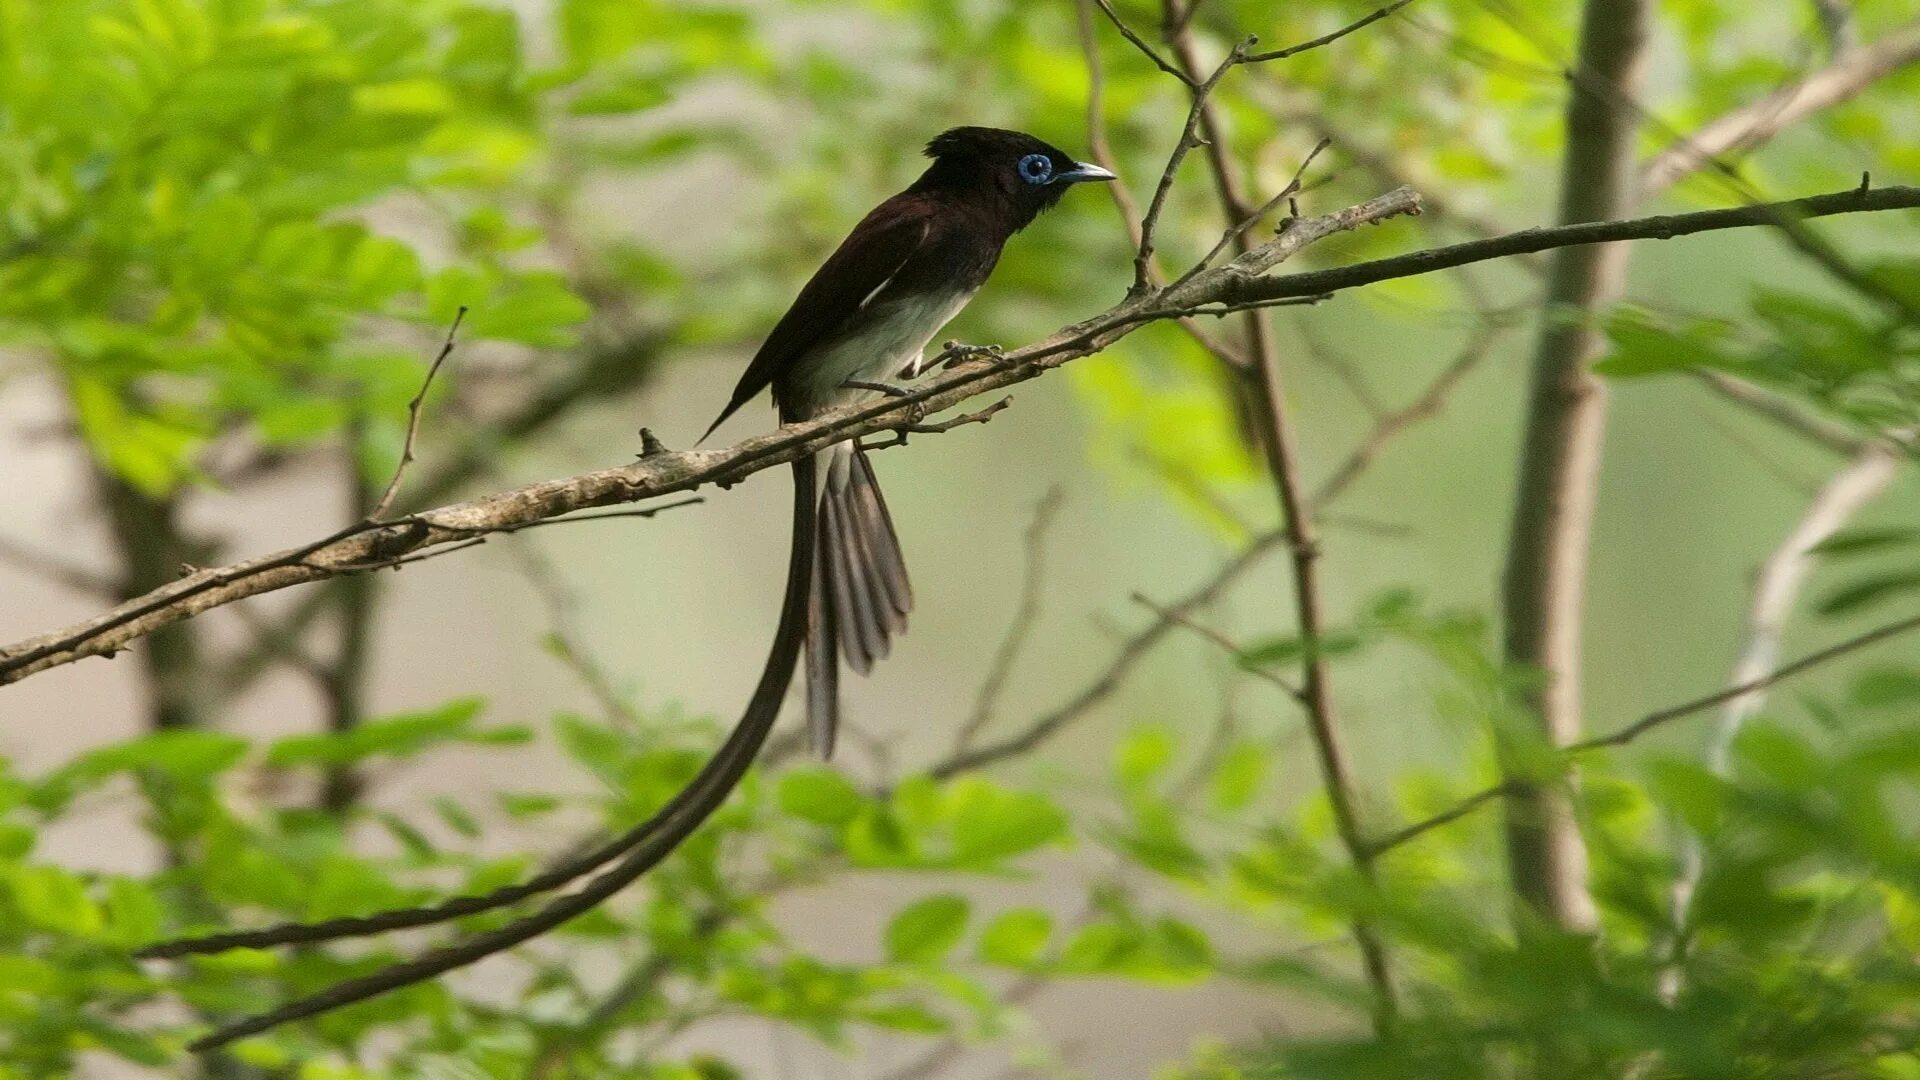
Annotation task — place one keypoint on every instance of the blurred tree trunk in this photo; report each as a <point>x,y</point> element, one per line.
<point>152,548</point>
<point>1544,591</point>
<point>356,598</point>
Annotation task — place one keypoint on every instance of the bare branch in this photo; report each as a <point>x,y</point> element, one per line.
<point>1328,39</point>
<point>1100,148</point>
<point>1787,414</point>
<point>1026,612</point>
<point>1230,646</point>
<point>1427,405</point>
<point>1659,719</point>
<point>1775,593</point>
<point>1759,121</point>
<point>1263,382</point>
<point>414,407</point>
<point>1189,138</point>
<point>1131,653</point>
<point>1146,50</point>
<point>978,416</point>
<point>1239,228</point>
<point>1544,579</point>
<point>1242,281</point>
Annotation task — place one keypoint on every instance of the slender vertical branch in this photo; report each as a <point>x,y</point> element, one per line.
<point>1100,149</point>
<point>1263,379</point>
<point>1546,571</point>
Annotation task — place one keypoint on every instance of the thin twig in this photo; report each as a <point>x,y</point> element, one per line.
<point>1239,228</point>
<point>1327,39</point>
<point>1657,719</point>
<point>901,431</point>
<point>1189,139</point>
<point>1760,121</point>
<point>1026,613</point>
<point>1427,405</point>
<point>1100,149</point>
<point>1232,647</point>
<point>1103,685</point>
<point>1785,413</point>
<point>414,409</point>
<point>1146,50</point>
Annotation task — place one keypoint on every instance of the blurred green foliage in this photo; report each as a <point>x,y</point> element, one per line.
<point>253,219</point>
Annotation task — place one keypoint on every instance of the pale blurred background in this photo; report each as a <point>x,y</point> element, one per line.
<point>679,608</point>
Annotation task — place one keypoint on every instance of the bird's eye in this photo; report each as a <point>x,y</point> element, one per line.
<point>1036,168</point>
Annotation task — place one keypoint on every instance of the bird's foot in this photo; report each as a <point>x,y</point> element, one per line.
<point>888,389</point>
<point>954,352</point>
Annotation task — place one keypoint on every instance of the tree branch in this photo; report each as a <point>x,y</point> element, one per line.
<point>1102,687</point>
<point>1775,593</point>
<point>1654,720</point>
<point>1759,121</point>
<point>1544,584</point>
<point>1263,380</point>
<point>1243,280</point>
<point>1026,612</point>
<point>1326,39</point>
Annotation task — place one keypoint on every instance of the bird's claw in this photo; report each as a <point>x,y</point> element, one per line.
<point>956,351</point>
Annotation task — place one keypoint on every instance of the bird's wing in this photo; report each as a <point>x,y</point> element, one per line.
<point>869,258</point>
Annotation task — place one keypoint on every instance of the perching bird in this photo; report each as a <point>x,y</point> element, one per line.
<point>866,316</point>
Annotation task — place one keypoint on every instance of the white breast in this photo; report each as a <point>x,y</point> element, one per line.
<point>890,342</point>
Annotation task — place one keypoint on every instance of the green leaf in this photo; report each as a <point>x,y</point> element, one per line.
<point>1236,780</point>
<point>522,805</point>
<point>189,757</point>
<point>991,825</point>
<point>819,795</point>
<point>1866,540</point>
<point>1642,348</point>
<point>631,94</point>
<point>1274,652</point>
<point>456,817</point>
<point>927,930</point>
<point>1782,756</point>
<point>1016,937</point>
<point>405,97</point>
<point>1886,687</point>
<point>401,736</point>
<point>1869,591</point>
<point>1142,755</point>
<point>906,1016</point>
<point>53,899</point>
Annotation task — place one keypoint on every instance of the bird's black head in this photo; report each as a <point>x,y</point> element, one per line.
<point>1017,172</point>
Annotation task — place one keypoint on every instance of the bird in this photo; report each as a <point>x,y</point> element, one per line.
<point>865,318</point>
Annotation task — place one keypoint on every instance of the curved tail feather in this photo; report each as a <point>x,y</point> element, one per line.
<point>655,839</point>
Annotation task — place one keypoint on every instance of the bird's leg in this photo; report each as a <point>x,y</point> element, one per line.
<point>916,411</point>
<point>878,387</point>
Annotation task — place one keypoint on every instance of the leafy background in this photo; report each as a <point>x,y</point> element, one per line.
<point>235,230</point>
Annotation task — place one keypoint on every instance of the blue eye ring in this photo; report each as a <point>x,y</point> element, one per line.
<point>1036,168</point>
